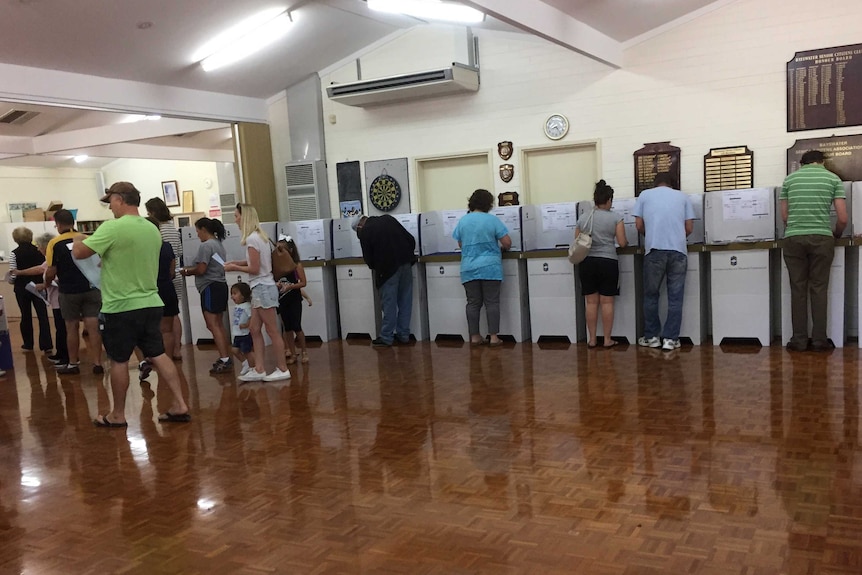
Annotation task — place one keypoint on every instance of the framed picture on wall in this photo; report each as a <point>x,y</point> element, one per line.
<point>170,190</point>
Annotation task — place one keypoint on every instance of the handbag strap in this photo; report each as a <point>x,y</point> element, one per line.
<point>590,222</point>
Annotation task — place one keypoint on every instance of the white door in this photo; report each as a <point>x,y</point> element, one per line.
<point>560,174</point>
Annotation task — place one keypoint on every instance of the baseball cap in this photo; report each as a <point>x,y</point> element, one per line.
<point>129,191</point>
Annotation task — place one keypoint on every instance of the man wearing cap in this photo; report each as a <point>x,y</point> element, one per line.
<point>809,245</point>
<point>388,249</point>
<point>129,247</point>
<point>79,299</point>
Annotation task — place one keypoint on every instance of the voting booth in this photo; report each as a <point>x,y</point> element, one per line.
<point>627,305</point>
<point>358,304</point>
<point>547,231</point>
<point>419,313</point>
<point>313,239</point>
<point>736,225</point>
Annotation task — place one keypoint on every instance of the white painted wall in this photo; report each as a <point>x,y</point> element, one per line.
<point>279,134</point>
<point>74,187</point>
<point>148,175</point>
<point>718,80</point>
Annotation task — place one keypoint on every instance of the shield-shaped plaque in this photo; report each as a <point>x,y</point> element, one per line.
<point>507,172</point>
<point>507,199</point>
<point>505,150</point>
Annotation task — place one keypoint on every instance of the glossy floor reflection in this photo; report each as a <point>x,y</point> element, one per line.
<point>441,458</point>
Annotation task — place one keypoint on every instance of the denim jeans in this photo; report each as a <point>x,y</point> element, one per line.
<point>659,264</point>
<point>396,298</point>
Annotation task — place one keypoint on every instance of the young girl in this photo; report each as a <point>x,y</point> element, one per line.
<point>290,304</point>
<point>240,293</point>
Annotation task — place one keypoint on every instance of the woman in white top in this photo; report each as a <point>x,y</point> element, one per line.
<point>264,294</point>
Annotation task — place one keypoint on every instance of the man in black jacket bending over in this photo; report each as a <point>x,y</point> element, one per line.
<point>388,249</point>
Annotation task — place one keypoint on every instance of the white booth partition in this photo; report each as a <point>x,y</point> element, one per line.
<point>313,239</point>
<point>739,230</point>
<point>358,304</point>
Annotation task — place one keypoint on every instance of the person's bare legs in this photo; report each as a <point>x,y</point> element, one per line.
<point>73,340</point>
<point>290,344</point>
<point>607,303</point>
<point>166,326</point>
<point>94,339</point>
<point>300,340</point>
<point>119,387</point>
<point>270,322</point>
<point>256,357</point>
<point>216,327</point>
<point>167,373</point>
<point>591,312</point>
<point>177,349</point>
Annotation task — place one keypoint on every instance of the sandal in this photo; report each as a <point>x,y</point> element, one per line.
<point>290,359</point>
<point>304,357</point>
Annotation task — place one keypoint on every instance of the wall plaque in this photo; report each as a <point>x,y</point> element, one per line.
<point>843,155</point>
<point>728,169</point>
<point>824,88</point>
<point>653,159</point>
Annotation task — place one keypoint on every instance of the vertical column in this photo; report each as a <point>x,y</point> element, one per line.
<point>255,175</point>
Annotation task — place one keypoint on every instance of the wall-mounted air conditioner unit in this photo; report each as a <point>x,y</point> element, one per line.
<point>307,192</point>
<point>458,79</point>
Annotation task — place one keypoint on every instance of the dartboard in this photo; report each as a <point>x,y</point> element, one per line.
<point>385,193</point>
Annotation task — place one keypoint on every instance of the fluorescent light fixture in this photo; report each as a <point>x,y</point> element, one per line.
<point>133,118</point>
<point>80,158</point>
<point>429,10</point>
<point>244,39</point>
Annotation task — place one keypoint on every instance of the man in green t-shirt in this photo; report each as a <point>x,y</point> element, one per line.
<point>129,247</point>
<point>809,245</point>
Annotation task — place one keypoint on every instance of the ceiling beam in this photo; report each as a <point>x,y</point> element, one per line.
<point>39,86</point>
<point>554,25</point>
<point>75,140</point>
<point>16,145</point>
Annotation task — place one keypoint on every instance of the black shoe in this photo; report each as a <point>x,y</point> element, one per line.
<point>222,367</point>
<point>144,369</point>
<point>27,347</point>
<point>57,360</point>
<point>822,345</point>
<point>98,369</point>
<point>795,346</point>
<point>70,369</point>
<point>380,343</point>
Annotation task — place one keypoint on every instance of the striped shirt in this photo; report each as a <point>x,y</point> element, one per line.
<point>171,234</point>
<point>809,192</point>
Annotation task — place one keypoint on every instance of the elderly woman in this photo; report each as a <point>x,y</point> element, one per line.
<point>481,236</point>
<point>599,272</point>
<point>25,264</point>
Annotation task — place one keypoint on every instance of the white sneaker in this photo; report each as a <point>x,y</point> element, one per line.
<point>649,341</point>
<point>252,375</point>
<point>670,344</point>
<point>277,375</point>
<point>245,368</point>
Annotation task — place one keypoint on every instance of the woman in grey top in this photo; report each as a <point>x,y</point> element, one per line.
<point>600,272</point>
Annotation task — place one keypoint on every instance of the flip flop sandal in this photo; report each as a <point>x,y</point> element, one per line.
<point>102,421</point>
<point>175,417</point>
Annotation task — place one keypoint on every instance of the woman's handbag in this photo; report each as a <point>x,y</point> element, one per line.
<point>282,263</point>
<point>580,248</point>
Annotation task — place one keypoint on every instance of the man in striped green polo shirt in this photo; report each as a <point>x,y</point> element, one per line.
<point>809,245</point>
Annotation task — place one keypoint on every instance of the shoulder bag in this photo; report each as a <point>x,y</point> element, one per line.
<point>583,242</point>
<point>282,263</point>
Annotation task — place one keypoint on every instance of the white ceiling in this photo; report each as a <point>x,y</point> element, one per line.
<point>151,41</point>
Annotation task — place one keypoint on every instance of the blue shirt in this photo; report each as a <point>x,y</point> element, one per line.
<point>664,212</point>
<point>479,234</point>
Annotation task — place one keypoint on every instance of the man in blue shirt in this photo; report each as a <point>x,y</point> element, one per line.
<point>665,217</point>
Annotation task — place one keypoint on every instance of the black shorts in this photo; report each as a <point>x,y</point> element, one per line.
<point>169,299</point>
<point>127,330</point>
<point>243,343</point>
<point>290,310</point>
<point>214,298</point>
<point>599,275</point>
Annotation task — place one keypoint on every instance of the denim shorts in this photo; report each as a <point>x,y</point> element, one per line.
<point>264,296</point>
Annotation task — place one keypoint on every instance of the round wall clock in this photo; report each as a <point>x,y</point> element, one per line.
<point>385,193</point>
<point>556,126</point>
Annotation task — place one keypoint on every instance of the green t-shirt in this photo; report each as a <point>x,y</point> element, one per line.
<point>809,192</point>
<point>129,247</point>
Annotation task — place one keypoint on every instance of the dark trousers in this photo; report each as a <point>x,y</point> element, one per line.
<point>809,260</point>
<point>26,303</point>
<point>60,336</point>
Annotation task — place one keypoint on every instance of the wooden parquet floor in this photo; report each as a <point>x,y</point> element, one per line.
<point>444,459</point>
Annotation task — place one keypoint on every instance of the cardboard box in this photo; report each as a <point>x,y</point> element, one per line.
<point>36,215</point>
